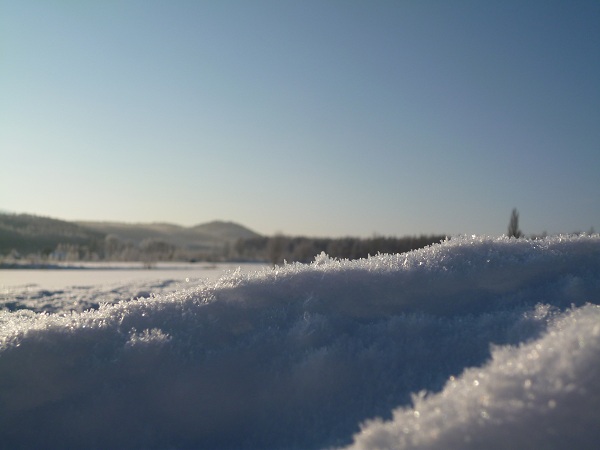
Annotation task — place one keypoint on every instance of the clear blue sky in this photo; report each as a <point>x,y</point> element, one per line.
<point>319,118</point>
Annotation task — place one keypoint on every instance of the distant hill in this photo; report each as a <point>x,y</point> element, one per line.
<point>30,234</point>
<point>225,230</point>
<point>204,236</point>
<point>27,233</point>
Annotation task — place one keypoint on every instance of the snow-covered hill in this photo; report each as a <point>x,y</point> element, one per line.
<point>473,343</point>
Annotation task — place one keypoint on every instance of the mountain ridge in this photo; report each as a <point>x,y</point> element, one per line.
<point>28,233</point>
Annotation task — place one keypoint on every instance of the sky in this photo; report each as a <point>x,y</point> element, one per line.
<point>318,118</point>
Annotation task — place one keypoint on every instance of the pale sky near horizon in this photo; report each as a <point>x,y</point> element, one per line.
<point>319,118</point>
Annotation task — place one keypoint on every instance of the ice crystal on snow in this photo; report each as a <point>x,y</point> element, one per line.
<point>477,342</point>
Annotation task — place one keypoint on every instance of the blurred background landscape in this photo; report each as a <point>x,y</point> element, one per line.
<point>28,240</point>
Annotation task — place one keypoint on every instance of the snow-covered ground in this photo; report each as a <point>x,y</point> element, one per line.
<point>68,287</point>
<point>473,343</point>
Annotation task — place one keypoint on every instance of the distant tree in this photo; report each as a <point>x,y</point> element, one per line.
<point>154,250</point>
<point>513,225</point>
<point>276,248</point>
<point>112,247</point>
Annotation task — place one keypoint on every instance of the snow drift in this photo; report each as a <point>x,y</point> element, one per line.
<point>473,343</point>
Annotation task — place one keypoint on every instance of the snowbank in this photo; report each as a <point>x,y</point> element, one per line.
<point>502,334</point>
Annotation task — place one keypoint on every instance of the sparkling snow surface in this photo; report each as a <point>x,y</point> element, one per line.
<point>473,343</point>
<point>78,288</point>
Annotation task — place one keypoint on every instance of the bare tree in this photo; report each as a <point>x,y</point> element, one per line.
<point>513,225</point>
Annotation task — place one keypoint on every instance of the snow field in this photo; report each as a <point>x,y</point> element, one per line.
<point>475,342</point>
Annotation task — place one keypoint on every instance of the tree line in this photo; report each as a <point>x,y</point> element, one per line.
<point>279,248</point>
<point>274,250</point>
<point>112,248</point>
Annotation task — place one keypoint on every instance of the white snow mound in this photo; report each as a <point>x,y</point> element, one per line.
<point>477,342</point>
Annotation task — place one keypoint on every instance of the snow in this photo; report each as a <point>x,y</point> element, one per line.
<point>478,342</point>
<point>83,286</point>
